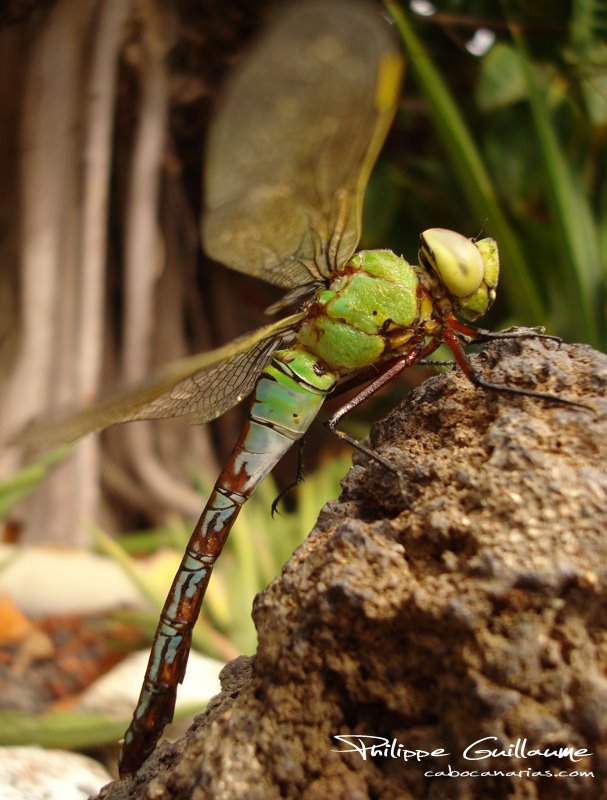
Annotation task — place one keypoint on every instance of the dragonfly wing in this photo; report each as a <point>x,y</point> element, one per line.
<point>294,140</point>
<point>199,387</point>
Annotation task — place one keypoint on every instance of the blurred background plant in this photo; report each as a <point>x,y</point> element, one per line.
<point>522,136</point>
<point>501,131</point>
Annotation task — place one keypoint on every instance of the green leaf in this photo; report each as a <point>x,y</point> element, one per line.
<point>16,488</point>
<point>69,729</point>
<point>502,81</point>
<point>570,206</point>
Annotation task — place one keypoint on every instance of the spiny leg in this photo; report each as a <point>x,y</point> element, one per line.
<point>388,372</point>
<point>429,362</point>
<point>480,335</point>
<point>450,336</point>
<point>492,336</point>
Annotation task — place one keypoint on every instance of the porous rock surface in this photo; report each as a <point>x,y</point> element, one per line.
<point>467,599</point>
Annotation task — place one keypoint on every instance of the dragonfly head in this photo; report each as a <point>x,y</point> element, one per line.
<point>467,269</point>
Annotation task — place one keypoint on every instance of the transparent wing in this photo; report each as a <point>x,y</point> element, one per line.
<point>200,387</point>
<point>299,128</point>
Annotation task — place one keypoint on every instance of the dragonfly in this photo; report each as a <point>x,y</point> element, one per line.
<point>300,125</point>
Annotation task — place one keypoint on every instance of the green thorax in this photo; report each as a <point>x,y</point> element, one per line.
<point>374,305</point>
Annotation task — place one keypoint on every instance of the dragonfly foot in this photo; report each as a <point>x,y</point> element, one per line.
<point>299,476</point>
<point>280,495</point>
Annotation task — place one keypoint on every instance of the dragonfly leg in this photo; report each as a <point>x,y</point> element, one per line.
<point>489,336</point>
<point>389,371</point>
<point>299,476</point>
<point>450,338</point>
<point>480,335</point>
<point>345,437</point>
<point>428,362</point>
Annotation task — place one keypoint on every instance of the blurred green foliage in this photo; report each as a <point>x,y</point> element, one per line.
<point>512,144</point>
<point>25,480</point>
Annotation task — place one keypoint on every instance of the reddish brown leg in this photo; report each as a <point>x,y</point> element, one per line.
<point>481,335</point>
<point>450,337</point>
<point>386,374</point>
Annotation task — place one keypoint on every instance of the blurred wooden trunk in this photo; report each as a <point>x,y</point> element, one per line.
<point>104,107</point>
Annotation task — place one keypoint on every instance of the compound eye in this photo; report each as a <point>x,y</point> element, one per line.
<point>455,259</point>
